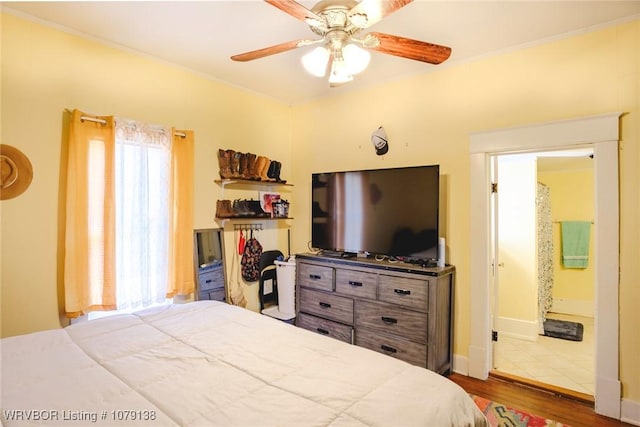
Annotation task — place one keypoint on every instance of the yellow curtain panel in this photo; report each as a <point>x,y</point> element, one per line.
<point>181,272</point>
<point>89,262</point>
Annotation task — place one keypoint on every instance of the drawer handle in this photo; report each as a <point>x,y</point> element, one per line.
<point>388,349</point>
<point>325,305</point>
<point>389,320</point>
<point>315,276</point>
<point>402,291</point>
<point>354,283</point>
<point>208,281</point>
<point>322,331</point>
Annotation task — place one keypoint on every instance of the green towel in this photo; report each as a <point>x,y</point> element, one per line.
<point>575,243</point>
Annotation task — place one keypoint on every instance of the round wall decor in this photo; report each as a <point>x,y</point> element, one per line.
<point>16,172</point>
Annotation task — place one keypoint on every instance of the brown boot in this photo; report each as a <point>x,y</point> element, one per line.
<point>264,170</point>
<point>234,163</point>
<point>244,165</point>
<point>223,209</point>
<point>255,173</point>
<point>224,164</point>
<point>251,165</point>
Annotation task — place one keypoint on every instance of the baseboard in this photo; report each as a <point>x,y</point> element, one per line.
<point>573,307</point>
<point>460,365</point>
<point>630,412</point>
<point>517,328</point>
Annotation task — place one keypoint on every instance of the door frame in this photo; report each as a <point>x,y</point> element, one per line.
<point>602,134</point>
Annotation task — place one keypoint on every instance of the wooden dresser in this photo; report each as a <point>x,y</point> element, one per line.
<point>211,283</point>
<point>398,309</point>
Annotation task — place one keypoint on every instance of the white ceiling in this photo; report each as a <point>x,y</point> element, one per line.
<point>203,35</point>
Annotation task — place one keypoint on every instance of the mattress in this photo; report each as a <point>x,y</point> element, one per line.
<point>208,363</point>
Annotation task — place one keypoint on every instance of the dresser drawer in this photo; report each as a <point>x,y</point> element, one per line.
<point>325,327</point>
<point>217,295</point>
<point>356,283</point>
<point>403,291</point>
<point>211,279</point>
<point>326,305</point>
<point>315,276</point>
<point>391,320</point>
<point>411,352</point>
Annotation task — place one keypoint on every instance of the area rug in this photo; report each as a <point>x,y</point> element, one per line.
<point>563,329</point>
<point>500,415</point>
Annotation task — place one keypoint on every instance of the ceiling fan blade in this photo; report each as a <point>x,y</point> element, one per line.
<point>294,9</point>
<point>377,9</point>
<point>267,51</point>
<point>412,49</point>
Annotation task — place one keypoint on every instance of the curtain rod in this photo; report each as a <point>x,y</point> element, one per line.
<point>104,122</point>
<point>558,222</point>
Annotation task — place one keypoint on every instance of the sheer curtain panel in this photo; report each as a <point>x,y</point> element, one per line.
<point>143,164</point>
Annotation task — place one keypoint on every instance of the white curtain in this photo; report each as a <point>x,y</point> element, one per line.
<point>142,191</point>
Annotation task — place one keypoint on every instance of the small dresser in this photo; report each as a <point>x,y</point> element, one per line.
<point>211,282</point>
<point>398,309</point>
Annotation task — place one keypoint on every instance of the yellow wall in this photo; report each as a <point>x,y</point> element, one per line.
<point>44,72</point>
<point>429,118</point>
<point>571,199</point>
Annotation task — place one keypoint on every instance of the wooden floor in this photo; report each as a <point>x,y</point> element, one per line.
<point>548,404</point>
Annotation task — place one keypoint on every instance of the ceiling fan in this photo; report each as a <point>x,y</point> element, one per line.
<point>339,23</point>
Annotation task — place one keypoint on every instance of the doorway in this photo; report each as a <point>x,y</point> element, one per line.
<point>536,193</point>
<point>600,133</point>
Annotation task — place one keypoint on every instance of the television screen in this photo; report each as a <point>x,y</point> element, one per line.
<point>390,212</point>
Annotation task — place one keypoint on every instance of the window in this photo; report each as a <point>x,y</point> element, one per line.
<point>142,171</point>
<point>129,216</point>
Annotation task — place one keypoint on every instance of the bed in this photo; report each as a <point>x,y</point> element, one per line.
<point>208,363</point>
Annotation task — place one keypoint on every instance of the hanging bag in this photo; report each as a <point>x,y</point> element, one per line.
<point>251,260</point>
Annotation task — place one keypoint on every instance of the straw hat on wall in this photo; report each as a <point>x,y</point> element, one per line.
<point>16,172</point>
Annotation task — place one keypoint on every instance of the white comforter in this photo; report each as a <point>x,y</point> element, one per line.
<point>212,364</point>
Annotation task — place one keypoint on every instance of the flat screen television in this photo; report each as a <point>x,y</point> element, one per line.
<point>392,212</point>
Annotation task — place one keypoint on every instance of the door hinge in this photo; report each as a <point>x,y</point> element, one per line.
<point>494,187</point>
<point>494,336</point>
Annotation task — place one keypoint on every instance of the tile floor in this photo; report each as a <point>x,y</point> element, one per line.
<point>563,363</point>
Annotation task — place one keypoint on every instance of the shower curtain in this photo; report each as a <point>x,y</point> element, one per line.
<point>545,253</point>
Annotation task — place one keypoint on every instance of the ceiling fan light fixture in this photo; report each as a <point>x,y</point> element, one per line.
<point>355,58</point>
<point>316,61</point>
<point>339,72</point>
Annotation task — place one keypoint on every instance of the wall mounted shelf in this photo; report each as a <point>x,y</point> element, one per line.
<point>253,184</point>
<point>249,182</point>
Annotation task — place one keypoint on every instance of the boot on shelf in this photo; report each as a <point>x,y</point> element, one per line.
<point>224,209</point>
<point>255,173</point>
<point>271,173</point>
<point>251,166</point>
<point>265,169</point>
<point>224,164</point>
<point>276,173</point>
<point>244,165</point>
<point>234,163</point>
